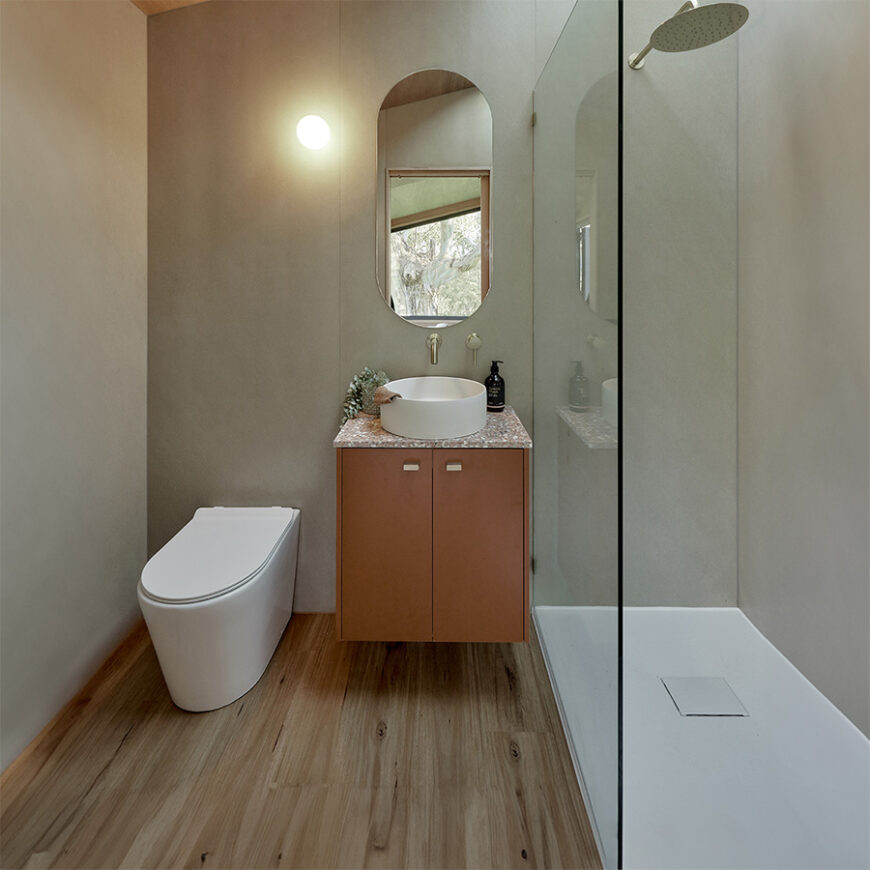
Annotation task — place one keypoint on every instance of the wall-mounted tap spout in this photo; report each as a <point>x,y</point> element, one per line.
<point>434,340</point>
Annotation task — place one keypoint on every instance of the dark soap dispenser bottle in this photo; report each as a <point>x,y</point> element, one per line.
<point>494,388</point>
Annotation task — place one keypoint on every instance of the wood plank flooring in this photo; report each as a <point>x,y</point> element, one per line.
<point>343,756</point>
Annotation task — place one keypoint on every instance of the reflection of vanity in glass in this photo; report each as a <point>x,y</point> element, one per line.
<point>433,214</point>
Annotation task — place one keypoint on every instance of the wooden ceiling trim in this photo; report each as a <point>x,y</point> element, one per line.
<point>155,7</point>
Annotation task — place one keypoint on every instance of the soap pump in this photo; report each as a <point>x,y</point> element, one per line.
<point>494,388</point>
<point>579,390</point>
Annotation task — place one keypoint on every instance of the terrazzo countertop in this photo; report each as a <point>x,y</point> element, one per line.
<point>591,428</point>
<point>502,429</point>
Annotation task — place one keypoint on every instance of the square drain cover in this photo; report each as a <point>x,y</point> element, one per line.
<point>703,696</point>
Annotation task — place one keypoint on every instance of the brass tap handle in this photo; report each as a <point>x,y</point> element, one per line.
<point>473,343</point>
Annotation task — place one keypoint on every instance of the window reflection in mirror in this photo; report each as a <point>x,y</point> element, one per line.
<point>433,231</point>
<point>439,244</point>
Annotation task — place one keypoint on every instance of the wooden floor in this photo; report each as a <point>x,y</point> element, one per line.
<point>344,755</point>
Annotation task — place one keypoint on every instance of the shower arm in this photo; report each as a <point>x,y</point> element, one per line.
<point>636,60</point>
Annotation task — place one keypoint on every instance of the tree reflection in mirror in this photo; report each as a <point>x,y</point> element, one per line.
<point>439,243</point>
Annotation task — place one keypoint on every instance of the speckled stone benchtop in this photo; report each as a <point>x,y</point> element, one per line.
<point>502,429</point>
<point>591,427</point>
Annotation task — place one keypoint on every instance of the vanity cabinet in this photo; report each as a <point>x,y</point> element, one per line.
<point>432,544</point>
<point>384,544</point>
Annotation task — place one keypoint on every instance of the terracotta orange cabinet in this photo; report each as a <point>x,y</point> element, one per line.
<point>432,544</point>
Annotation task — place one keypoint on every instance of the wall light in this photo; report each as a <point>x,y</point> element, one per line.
<point>313,132</point>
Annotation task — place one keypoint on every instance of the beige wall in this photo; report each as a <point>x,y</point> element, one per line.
<point>73,279</point>
<point>263,300</point>
<point>680,320</point>
<point>452,130</point>
<point>243,229</point>
<point>550,18</point>
<point>804,285</point>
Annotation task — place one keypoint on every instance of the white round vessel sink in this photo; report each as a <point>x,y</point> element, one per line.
<point>435,408</point>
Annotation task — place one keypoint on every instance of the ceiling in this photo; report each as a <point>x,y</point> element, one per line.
<point>419,86</point>
<point>155,7</point>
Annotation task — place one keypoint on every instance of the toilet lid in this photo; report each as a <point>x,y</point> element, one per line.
<point>218,550</point>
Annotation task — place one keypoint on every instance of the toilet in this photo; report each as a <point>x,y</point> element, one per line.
<point>216,599</point>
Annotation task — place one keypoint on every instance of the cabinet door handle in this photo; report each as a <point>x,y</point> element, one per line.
<point>454,466</point>
<point>411,466</point>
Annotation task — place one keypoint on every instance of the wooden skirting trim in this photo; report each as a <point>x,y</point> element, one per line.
<point>28,763</point>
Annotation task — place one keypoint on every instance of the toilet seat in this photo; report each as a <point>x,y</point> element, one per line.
<point>218,551</point>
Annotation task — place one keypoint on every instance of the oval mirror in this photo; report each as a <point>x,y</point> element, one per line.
<point>433,216</point>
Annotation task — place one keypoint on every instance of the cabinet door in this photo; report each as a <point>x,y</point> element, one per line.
<point>386,544</point>
<point>479,545</point>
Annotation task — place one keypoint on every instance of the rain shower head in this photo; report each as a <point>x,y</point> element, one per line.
<point>692,27</point>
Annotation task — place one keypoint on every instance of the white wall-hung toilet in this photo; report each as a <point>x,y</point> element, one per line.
<point>216,599</point>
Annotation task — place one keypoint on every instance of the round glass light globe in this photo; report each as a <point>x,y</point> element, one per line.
<point>313,132</point>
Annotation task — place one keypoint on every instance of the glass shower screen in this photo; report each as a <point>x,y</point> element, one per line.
<point>576,591</point>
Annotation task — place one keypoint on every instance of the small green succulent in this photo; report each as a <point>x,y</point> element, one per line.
<point>358,399</point>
